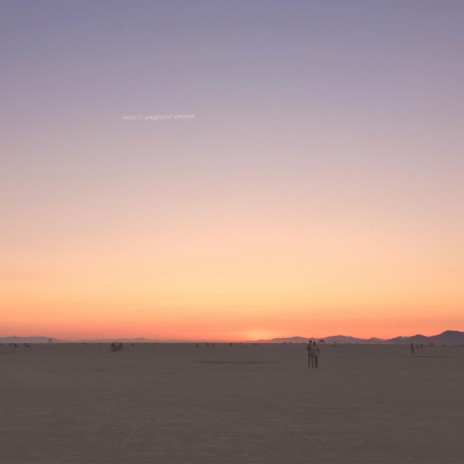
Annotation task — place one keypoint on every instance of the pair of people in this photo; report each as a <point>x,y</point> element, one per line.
<point>313,354</point>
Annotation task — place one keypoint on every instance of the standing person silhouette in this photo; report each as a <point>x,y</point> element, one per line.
<point>316,352</point>
<point>412,348</point>
<point>309,350</point>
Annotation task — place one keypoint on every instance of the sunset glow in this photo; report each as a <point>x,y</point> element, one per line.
<point>317,191</point>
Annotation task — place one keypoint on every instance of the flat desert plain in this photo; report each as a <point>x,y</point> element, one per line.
<point>175,403</point>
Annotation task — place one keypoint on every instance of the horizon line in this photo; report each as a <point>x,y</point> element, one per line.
<point>202,340</point>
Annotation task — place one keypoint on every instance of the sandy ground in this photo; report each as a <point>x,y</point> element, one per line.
<point>242,404</point>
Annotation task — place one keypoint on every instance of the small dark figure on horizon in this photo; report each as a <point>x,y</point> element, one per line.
<point>316,352</point>
<point>412,348</point>
<point>309,350</point>
<point>115,346</point>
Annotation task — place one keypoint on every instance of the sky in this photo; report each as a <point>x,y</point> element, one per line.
<point>307,180</point>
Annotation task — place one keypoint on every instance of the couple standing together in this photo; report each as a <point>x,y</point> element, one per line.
<point>313,354</point>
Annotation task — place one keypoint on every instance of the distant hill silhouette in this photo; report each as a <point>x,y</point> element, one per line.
<point>33,339</point>
<point>42,339</point>
<point>333,339</point>
<point>348,339</point>
<point>449,337</point>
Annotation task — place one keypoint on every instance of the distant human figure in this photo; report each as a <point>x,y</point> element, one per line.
<point>115,346</point>
<point>316,352</point>
<point>309,350</point>
<point>412,348</point>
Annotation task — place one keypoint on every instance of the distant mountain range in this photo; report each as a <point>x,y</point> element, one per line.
<point>449,337</point>
<point>41,339</point>
<point>34,339</point>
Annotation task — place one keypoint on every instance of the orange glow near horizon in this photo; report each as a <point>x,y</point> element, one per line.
<point>220,287</point>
